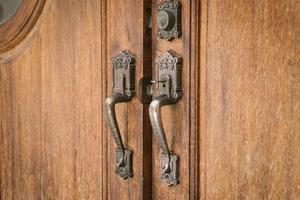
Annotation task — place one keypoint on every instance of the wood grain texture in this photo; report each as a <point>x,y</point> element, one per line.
<point>51,105</point>
<point>250,94</point>
<point>17,32</point>
<point>126,29</point>
<point>180,120</point>
<point>236,129</point>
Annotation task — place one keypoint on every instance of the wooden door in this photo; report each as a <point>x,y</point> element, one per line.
<point>126,29</point>
<point>55,76</point>
<point>51,142</point>
<point>235,130</point>
<point>249,124</point>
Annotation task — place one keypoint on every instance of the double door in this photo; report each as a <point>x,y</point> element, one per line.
<point>154,99</point>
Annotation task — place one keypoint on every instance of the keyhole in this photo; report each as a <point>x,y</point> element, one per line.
<point>163,22</point>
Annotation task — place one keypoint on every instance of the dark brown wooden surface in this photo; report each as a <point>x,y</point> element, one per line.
<point>250,94</point>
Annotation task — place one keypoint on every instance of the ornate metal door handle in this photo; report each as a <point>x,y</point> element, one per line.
<point>123,90</point>
<point>168,89</point>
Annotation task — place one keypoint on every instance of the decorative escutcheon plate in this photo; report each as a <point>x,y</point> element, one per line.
<point>168,91</point>
<point>168,19</point>
<point>124,163</point>
<point>169,75</point>
<point>169,169</point>
<point>123,73</point>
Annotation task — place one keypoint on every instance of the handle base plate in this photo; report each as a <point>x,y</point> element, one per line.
<point>169,169</point>
<point>124,163</point>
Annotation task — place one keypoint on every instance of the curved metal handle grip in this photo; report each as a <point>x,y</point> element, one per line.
<point>123,74</point>
<point>110,116</point>
<point>156,122</point>
<point>168,161</point>
<point>168,92</point>
<point>123,155</point>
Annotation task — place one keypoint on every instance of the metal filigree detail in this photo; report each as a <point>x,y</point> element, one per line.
<point>167,61</point>
<point>169,73</point>
<point>123,60</point>
<point>123,74</point>
<point>168,19</point>
<point>169,169</point>
<point>124,163</point>
<point>168,91</point>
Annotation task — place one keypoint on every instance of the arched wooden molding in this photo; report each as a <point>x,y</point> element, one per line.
<point>16,33</point>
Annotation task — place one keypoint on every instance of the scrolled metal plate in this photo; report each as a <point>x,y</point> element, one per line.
<point>168,19</point>
<point>169,66</point>
<point>169,169</point>
<point>123,73</point>
<point>124,163</point>
<point>168,91</point>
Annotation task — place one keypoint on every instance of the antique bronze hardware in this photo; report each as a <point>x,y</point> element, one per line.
<point>145,90</point>
<point>168,19</point>
<point>123,90</point>
<point>168,91</point>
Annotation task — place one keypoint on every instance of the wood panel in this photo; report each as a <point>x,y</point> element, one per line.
<point>180,120</point>
<point>51,105</point>
<point>127,30</point>
<point>54,144</point>
<point>250,94</point>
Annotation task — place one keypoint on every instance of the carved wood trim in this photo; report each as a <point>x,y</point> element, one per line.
<point>16,33</point>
